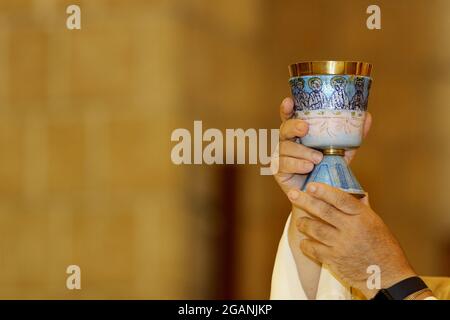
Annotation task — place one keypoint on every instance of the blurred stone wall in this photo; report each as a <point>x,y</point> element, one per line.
<point>85,174</point>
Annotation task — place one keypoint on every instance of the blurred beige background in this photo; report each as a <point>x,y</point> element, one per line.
<point>86,117</point>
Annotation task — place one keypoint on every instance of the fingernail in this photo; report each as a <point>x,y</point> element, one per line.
<point>311,188</point>
<point>286,101</point>
<point>293,194</point>
<point>287,105</point>
<point>317,157</point>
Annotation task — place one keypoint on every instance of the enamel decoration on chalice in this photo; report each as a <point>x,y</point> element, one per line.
<point>332,97</point>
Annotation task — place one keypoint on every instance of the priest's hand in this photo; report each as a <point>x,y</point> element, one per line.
<point>348,236</point>
<point>293,160</point>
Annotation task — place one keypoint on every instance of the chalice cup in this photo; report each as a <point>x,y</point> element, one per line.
<point>332,96</point>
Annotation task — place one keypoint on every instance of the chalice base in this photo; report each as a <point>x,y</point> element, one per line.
<point>333,170</point>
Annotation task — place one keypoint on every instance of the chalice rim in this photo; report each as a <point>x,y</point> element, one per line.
<point>330,67</point>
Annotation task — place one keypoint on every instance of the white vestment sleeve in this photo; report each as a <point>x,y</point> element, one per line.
<point>286,284</point>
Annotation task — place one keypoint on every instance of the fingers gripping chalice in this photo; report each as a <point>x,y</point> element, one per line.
<point>331,96</point>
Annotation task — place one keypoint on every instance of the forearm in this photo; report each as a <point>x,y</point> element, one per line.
<point>308,270</point>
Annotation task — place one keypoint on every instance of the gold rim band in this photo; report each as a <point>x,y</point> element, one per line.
<point>333,152</point>
<point>308,68</point>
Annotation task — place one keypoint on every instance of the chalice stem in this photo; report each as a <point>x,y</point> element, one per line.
<point>333,170</point>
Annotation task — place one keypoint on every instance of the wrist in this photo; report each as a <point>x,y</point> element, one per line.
<point>420,295</point>
<point>412,288</point>
<point>389,280</point>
